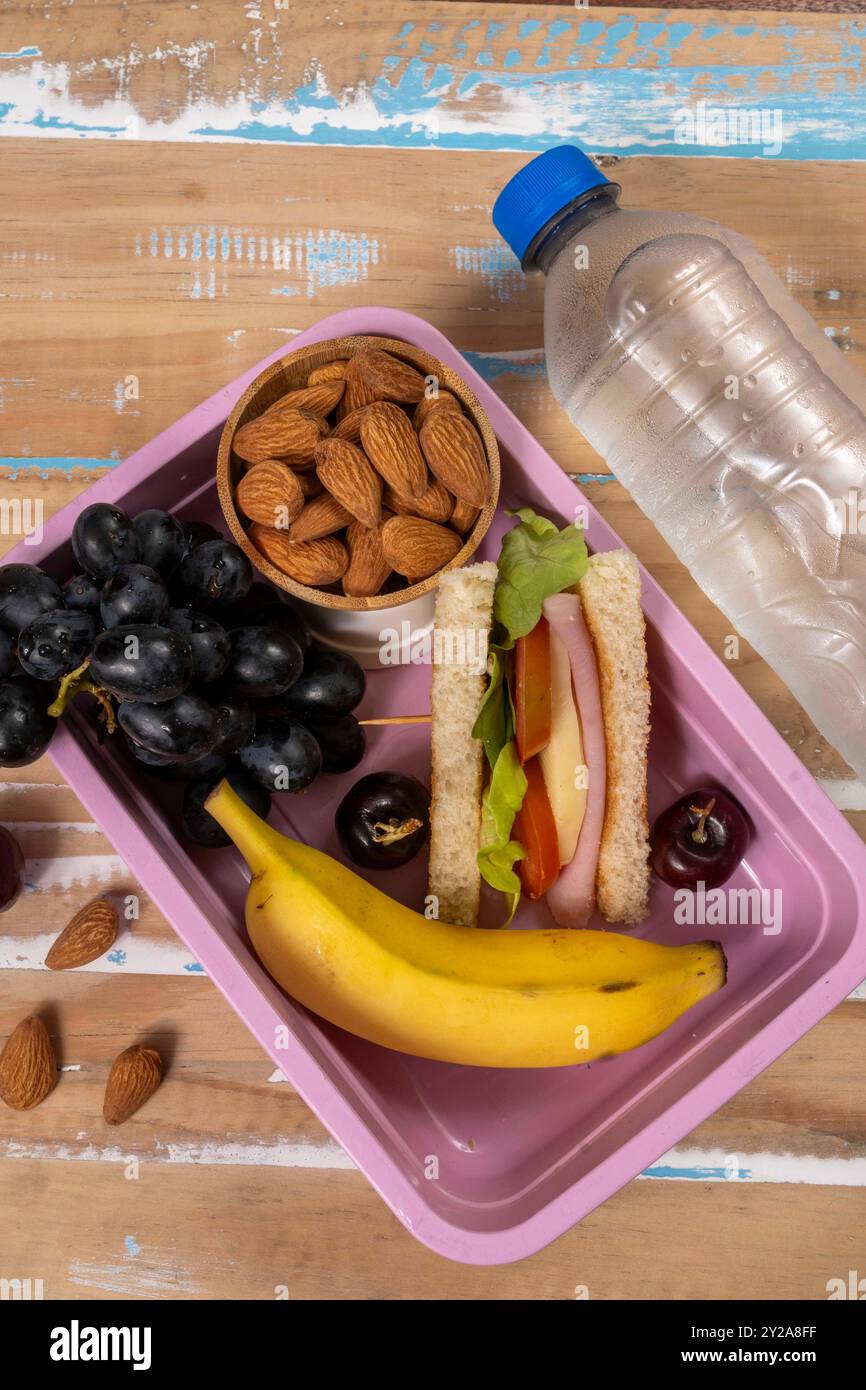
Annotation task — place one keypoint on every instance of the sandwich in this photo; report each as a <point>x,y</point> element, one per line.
<point>539,752</point>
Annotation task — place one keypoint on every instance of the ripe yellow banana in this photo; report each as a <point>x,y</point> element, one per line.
<point>456,994</point>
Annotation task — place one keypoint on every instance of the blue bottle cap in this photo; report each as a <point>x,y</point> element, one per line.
<point>540,190</point>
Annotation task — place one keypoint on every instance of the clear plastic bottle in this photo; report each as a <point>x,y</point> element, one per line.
<point>735,423</point>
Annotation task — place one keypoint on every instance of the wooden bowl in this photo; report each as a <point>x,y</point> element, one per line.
<point>291,372</point>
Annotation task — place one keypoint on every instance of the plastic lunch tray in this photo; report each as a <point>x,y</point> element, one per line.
<point>522,1155</point>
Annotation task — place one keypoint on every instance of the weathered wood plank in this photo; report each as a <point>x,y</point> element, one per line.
<point>186,1233</point>
<point>439,74</point>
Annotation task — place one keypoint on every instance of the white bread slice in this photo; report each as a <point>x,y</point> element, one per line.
<point>610,595</point>
<point>463,617</point>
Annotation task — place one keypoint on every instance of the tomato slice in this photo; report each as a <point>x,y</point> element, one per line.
<point>535,828</point>
<point>532,691</point>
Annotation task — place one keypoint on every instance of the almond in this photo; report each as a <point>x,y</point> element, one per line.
<point>463,517</point>
<point>321,517</point>
<point>357,393</point>
<point>452,447</point>
<point>270,493</point>
<point>28,1067</point>
<point>133,1078</point>
<point>316,563</point>
<point>388,377</point>
<point>350,425</point>
<point>434,504</point>
<point>417,548</point>
<point>309,485</point>
<point>392,447</point>
<point>329,371</point>
<point>319,399</point>
<point>368,568</point>
<point>91,933</point>
<point>440,399</point>
<point>291,435</point>
<point>349,476</point>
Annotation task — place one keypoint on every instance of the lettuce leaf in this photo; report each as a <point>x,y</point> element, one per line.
<point>494,723</point>
<point>499,806</point>
<point>537,560</point>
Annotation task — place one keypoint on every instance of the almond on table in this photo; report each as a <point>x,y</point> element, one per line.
<point>135,1074</point>
<point>91,933</point>
<point>28,1066</point>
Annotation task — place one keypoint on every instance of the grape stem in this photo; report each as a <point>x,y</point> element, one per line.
<point>699,834</point>
<point>389,832</point>
<point>78,683</point>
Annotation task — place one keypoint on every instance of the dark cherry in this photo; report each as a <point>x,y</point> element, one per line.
<point>384,820</point>
<point>700,839</point>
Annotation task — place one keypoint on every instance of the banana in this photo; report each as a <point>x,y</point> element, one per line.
<point>455,994</point>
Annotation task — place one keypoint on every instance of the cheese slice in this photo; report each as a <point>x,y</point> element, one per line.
<point>562,764</point>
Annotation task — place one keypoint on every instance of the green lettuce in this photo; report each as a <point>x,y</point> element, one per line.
<point>537,560</point>
<point>494,724</point>
<point>499,806</point>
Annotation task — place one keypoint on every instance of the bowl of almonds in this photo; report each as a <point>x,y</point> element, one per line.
<point>352,473</point>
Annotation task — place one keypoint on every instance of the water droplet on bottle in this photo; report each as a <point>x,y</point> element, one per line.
<point>754,435</point>
<point>686,355</point>
<point>750,574</point>
<point>750,379</point>
<point>798,451</point>
<point>747,415</point>
<point>802,361</point>
<point>709,358</point>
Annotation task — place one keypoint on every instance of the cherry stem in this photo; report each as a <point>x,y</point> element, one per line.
<point>389,832</point>
<point>699,834</point>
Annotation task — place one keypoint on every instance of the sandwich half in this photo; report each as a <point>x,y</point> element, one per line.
<point>540,767</point>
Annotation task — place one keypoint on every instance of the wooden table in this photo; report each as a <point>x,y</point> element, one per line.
<point>186,187</point>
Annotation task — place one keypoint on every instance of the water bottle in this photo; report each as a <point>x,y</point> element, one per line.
<point>736,425</point>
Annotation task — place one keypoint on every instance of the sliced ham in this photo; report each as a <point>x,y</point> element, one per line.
<point>572,897</point>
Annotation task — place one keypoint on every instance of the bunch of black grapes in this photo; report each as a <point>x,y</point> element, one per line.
<point>210,674</point>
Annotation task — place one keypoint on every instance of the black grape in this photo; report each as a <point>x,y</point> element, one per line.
<point>142,662</point>
<point>11,869</point>
<point>103,539</point>
<point>331,683</point>
<point>211,647</point>
<point>199,825</point>
<point>183,728</point>
<point>281,756</point>
<point>25,592</point>
<point>134,594</point>
<point>263,607</point>
<point>25,725</point>
<point>56,643</point>
<point>195,533</point>
<point>215,574</point>
<point>265,662</point>
<point>8,663</point>
<point>237,719</point>
<point>83,593</point>
<point>161,540</point>
<point>342,741</point>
